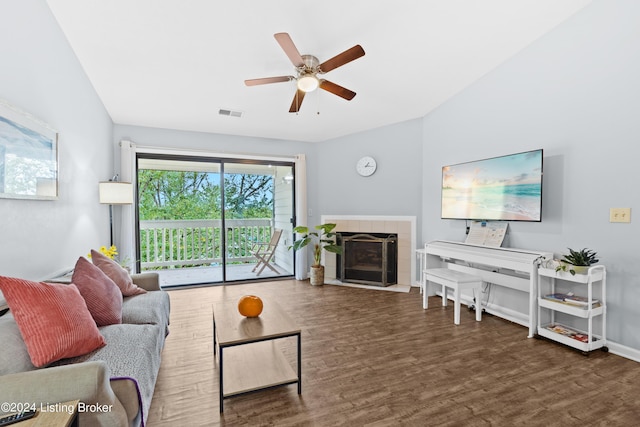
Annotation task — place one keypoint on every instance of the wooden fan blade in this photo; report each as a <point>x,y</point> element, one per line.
<point>289,48</point>
<point>267,80</point>
<point>342,58</point>
<point>337,90</point>
<point>297,101</point>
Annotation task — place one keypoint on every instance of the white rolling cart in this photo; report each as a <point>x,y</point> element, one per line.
<point>562,296</point>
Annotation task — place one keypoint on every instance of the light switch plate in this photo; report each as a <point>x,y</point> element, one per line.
<point>620,215</point>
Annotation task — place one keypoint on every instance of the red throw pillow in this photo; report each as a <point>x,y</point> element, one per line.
<point>116,273</point>
<point>103,297</point>
<point>53,319</point>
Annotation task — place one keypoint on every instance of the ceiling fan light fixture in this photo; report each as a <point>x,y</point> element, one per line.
<point>308,83</point>
<point>307,69</point>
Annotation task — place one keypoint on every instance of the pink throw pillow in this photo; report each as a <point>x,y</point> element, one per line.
<point>116,273</point>
<point>103,297</point>
<point>53,319</point>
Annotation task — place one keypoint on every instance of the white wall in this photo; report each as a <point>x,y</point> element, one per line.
<point>206,142</point>
<point>40,75</point>
<point>335,188</point>
<point>219,143</point>
<point>575,94</point>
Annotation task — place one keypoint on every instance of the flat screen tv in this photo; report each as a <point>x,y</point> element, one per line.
<point>505,188</point>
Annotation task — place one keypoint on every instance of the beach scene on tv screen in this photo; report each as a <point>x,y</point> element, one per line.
<point>502,188</point>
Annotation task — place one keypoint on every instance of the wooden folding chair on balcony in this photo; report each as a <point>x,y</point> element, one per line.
<point>264,252</point>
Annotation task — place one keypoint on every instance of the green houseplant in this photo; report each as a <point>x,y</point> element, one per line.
<point>321,239</point>
<point>577,261</point>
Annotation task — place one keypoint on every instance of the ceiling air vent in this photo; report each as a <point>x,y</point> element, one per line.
<point>230,113</point>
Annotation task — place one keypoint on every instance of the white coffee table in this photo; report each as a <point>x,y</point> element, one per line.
<point>248,357</point>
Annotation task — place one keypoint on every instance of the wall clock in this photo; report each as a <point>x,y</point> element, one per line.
<point>366,166</point>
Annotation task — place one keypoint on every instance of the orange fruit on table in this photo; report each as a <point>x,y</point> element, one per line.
<point>250,306</point>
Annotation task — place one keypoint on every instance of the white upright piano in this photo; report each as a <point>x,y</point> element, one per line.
<point>508,267</point>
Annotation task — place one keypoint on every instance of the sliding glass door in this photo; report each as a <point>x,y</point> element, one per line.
<point>203,220</point>
<point>258,200</point>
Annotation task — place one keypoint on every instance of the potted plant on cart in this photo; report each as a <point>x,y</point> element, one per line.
<point>577,261</point>
<point>321,239</point>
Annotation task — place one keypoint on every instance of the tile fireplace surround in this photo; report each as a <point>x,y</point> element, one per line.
<point>403,226</point>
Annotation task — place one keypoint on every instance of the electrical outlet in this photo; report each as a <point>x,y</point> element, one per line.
<point>620,215</point>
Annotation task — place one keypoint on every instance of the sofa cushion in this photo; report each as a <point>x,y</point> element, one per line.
<point>14,356</point>
<point>118,274</point>
<point>131,351</point>
<point>103,297</point>
<point>150,308</point>
<point>53,319</point>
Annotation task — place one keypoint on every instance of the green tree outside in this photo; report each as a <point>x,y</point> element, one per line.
<point>186,195</point>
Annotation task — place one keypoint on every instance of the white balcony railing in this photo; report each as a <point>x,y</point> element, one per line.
<point>186,243</point>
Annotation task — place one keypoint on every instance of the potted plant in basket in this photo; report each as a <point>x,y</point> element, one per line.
<point>321,239</point>
<point>577,261</point>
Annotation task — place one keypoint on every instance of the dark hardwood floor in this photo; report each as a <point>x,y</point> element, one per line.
<point>377,358</point>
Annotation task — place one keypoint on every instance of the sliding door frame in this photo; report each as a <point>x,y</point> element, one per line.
<point>204,157</point>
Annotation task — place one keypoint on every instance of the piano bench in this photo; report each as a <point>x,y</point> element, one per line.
<point>457,281</point>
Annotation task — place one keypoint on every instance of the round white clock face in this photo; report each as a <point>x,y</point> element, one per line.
<point>366,166</point>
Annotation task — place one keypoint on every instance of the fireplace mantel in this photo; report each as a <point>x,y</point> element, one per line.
<point>403,226</point>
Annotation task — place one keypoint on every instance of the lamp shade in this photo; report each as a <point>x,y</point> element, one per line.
<point>116,193</point>
<point>308,83</point>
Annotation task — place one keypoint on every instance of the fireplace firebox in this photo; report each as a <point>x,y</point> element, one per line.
<point>368,258</point>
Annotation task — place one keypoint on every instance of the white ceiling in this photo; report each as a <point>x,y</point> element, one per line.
<point>174,63</point>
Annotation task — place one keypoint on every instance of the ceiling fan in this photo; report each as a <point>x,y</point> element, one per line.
<point>307,69</point>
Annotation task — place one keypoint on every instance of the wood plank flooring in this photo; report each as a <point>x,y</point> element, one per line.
<point>377,358</point>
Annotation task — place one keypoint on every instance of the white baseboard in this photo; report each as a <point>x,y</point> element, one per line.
<point>624,351</point>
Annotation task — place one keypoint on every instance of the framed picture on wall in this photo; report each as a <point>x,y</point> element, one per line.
<point>28,156</point>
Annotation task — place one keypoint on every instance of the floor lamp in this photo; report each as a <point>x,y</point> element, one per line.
<point>115,193</point>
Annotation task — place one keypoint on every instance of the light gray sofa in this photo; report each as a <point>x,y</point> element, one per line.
<point>120,377</point>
